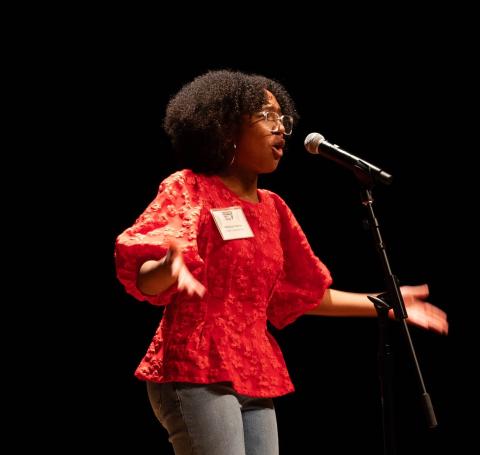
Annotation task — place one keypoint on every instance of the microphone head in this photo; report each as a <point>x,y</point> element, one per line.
<point>312,142</point>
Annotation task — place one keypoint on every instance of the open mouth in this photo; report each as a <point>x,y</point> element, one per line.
<point>277,147</point>
<point>277,151</point>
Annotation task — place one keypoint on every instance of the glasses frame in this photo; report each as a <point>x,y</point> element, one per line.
<point>278,119</point>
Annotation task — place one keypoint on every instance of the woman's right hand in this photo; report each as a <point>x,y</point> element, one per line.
<point>185,280</point>
<point>156,276</point>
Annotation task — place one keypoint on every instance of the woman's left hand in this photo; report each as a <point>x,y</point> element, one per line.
<point>421,312</point>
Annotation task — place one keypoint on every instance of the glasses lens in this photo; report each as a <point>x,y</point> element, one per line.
<point>288,124</point>
<point>273,120</point>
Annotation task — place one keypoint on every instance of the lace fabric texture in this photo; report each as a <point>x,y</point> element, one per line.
<point>223,336</point>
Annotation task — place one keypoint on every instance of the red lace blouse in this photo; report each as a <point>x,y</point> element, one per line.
<point>222,336</point>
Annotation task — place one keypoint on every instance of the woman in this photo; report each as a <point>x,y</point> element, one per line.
<point>224,257</point>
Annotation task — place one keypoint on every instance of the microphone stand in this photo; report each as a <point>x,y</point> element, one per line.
<point>383,303</point>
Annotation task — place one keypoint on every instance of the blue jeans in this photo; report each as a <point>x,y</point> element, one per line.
<point>212,419</point>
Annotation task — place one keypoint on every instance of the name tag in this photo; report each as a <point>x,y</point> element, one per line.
<point>232,223</point>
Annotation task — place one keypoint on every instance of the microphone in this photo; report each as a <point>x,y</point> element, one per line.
<point>316,144</point>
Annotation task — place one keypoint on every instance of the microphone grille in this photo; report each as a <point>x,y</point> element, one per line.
<point>312,141</point>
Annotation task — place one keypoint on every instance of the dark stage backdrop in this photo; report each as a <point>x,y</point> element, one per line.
<point>392,109</point>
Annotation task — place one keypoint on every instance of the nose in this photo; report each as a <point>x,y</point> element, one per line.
<point>280,127</point>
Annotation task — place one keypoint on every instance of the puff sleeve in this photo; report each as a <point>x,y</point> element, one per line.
<point>173,214</point>
<point>304,277</point>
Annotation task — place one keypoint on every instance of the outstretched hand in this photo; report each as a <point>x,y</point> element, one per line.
<point>421,312</point>
<point>185,280</point>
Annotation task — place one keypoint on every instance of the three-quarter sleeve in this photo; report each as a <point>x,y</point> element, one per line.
<point>173,215</point>
<point>304,278</point>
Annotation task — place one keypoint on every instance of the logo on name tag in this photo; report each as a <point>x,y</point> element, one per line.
<point>231,223</point>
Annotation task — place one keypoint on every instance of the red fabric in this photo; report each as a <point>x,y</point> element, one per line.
<point>223,336</point>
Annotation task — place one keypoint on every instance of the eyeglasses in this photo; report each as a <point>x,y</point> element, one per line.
<point>273,121</point>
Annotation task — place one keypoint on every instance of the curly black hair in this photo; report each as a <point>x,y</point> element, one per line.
<point>203,117</point>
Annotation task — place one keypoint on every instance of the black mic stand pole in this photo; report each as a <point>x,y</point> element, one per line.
<point>383,303</point>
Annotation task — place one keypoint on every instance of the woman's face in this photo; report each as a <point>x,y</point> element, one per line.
<point>259,150</point>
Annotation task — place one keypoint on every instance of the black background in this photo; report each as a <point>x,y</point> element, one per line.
<point>391,100</point>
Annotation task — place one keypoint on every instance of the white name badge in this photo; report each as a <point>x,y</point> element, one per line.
<point>232,223</point>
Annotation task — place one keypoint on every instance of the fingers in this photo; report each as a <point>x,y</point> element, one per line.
<point>436,318</point>
<point>177,265</point>
<point>185,280</point>
<point>174,250</point>
<point>428,316</point>
<point>420,291</point>
<point>199,289</point>
<point>434,311</point>
<point>188,283</point>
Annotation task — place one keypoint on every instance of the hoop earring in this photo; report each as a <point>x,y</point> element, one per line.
<point>234,154</point>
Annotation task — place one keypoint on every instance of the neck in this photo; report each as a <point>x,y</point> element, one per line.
<point>244,185</point>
